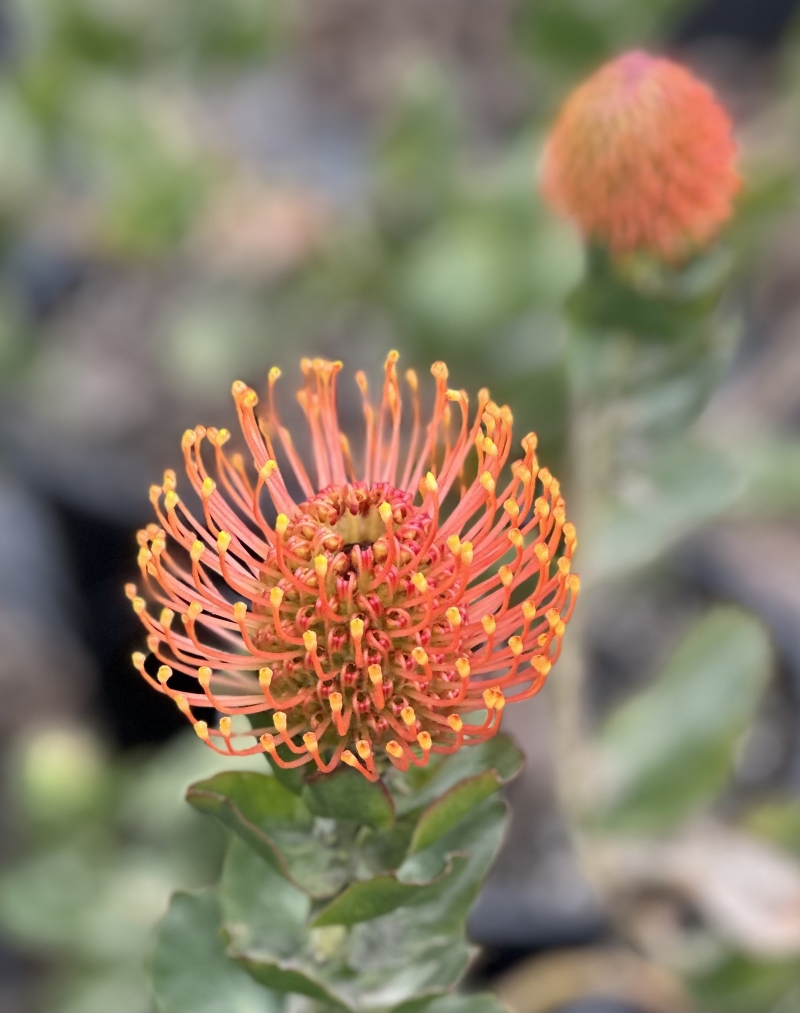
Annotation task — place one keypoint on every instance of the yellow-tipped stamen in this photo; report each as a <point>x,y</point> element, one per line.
<point>420,655</point>
<point>357,632</point>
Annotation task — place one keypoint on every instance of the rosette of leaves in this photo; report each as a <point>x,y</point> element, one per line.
<point>336,893</point>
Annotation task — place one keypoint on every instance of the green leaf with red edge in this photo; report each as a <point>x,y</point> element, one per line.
<point>279,827</point>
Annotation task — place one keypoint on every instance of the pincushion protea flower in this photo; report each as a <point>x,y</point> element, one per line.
<point>368,622</point>
<point>642,158</point>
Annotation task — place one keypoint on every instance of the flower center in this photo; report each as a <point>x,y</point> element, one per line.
<point>360,622</point>
<point>362,529</point>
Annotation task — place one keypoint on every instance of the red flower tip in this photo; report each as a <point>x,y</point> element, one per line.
<point>382,616</point>
<point>642,158</point>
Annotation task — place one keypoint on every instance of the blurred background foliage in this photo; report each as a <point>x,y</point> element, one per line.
<point>192,191</point>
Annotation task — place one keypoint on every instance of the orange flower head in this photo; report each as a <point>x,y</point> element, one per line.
<point>377,618</point>
<point>642,158</point>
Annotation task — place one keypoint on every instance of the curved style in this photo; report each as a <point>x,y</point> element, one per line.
<point>384,614</point>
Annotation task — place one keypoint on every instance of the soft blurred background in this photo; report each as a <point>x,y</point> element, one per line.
<point>194,190</point>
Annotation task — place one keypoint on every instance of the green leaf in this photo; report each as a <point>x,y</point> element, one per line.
<point>673,745</point>
<point>266,920</point>
<point>451,808</point>
<point>646,299</point>
<point>739,984</point>
<point>347,795</point>
<point>190,970</point>
<point>473,1002</point>
<point>372,898</point>
<point>420,788</point>
<point>776,821</point>
<point>260,908</point>
<point>279,827</point>
<point>686,485</point>
<point>421,947</point>
<point>288,979</point>
<point>384,850</point>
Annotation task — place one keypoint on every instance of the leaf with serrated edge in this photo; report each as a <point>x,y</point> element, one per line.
<point>277,825</point>
<point>190,970</point>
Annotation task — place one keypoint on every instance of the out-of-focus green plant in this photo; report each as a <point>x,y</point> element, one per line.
<point>107,844</point>
<point>650,339</point>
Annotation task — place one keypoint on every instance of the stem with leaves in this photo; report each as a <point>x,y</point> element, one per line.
<point>338,894</point>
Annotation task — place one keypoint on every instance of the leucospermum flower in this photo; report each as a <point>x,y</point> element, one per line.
<point>390,613</point>
<point>642,158</point>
